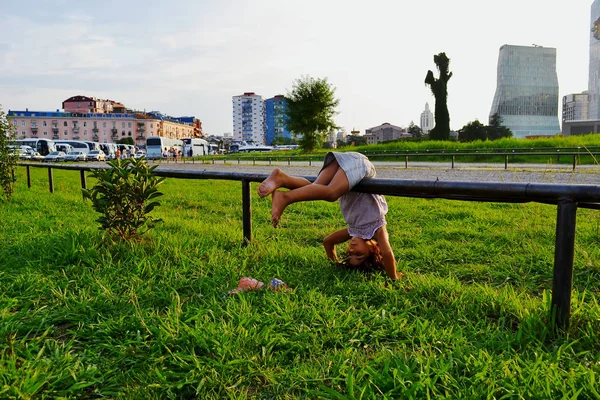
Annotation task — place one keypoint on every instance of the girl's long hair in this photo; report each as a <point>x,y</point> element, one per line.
<point>374,262</point>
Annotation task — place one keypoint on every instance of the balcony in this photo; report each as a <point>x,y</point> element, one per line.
<point>140,137</point>
<point>55,135</point>
<point>76,130</point>
<point>95,129</point>
<point>34,128</point>
<point>95,137</point>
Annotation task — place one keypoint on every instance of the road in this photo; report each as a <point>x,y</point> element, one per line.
<point>523,173</point>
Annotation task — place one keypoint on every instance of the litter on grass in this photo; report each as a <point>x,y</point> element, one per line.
<point>248,284</point>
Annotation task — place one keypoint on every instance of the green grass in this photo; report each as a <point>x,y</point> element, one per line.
<point>586,144</point>
<point>82,319</point>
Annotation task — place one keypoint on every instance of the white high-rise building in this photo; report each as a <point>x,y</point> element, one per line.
<point>249,118</point>
<point>527,91</point>
<point>427,120</point>
<point>594,68</point>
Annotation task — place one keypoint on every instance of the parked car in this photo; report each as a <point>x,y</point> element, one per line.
<point>96,155</point>
<point>139,154</point>
<point>55,156</point>
<point>76,156</point>
<point>35,156</point>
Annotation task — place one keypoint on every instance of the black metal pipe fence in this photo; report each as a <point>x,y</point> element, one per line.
<point>567,198</point>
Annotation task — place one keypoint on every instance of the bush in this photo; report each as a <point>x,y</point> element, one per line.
<point>123,195</point>
<point>8,158</point>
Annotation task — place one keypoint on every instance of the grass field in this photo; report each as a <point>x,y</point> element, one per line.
<point>83,319</point>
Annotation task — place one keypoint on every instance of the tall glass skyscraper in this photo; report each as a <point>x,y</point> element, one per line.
<point>594,70</point>
<point>275,118</point>
<point>527,90</point>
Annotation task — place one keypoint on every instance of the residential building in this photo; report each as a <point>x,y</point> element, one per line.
<point>249,118</point>
<point>384,133</point>
<point>275,119</point>
<point>88,118</point>
<point>527,90</point>
<point>427,119</point>
<point>575,107</point>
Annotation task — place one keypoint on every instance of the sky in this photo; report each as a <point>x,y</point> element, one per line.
<point>190,57</point>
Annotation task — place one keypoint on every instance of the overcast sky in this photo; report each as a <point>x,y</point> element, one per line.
<point>190,57</point>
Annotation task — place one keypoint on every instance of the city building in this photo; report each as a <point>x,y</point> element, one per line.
<point>527,90</point>
<point>275,119</point>
<point>575,107</point>
<point>103,121</point>
<point>427,119</point>
<point>594,65</point>
<point>575,120</point>
<point>249,118</point>
<point>384,133</point>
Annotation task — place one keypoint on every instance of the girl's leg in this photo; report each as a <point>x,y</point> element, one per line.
<point>331,189</point>
<point>278,179</point>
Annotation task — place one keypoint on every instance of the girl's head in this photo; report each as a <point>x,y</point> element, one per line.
<point>363,255</point>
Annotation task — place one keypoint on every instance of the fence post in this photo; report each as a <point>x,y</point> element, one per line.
<point>574,161</point>
<point>50,180</point>
<point>254,161</point>
<point>405,161</point>
<point>83,181</point>
<point>564,250</point>
<point>453,158</point>
<point>289,161</point>
<point>506,161</point>
<point>246,212</point>
<point>28,177</point>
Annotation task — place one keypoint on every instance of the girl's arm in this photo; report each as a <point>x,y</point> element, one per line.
<point>330,241</point>
<point>389,262</point>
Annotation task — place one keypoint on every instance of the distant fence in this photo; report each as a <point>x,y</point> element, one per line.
<point>567,198</point>
<point>559,155</point>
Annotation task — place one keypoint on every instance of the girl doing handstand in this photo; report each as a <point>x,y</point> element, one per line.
<point>367,236</point>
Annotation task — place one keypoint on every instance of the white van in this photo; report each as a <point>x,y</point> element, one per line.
<point>64,147</point>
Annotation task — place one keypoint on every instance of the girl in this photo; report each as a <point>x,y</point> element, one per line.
<point>369,246</point>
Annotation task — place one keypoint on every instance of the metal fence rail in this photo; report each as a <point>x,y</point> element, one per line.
<point>567,198</point>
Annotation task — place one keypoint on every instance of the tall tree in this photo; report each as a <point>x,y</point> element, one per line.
<point>8,157</point>
<point>310,110</point>
<point>496,129</point>
<point>439,88</point>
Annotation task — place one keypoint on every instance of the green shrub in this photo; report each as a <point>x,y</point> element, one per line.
<point>8,158</point>
<point>123,195</point>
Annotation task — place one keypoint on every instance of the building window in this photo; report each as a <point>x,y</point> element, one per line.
<point>65,133</point>
<point>123,125</point>
<point>129,124</point>
<point>44,123</point>
<point>45,133</point>
<point>129,133</point>
<point>84,124</point>
<point>65,123</point>
<point>85,133</point>
<point>104,124</point>
<point>23,123</point>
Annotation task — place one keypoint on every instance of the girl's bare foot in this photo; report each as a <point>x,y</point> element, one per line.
<point>271,184</point>
<point>278,206</point>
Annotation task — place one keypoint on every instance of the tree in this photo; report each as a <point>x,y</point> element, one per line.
<point>126,140</point>
<point>496,130</point>
<point>415,131</point>
<point>439,88</point>
<point>8,157</point>
<point>472,131</point>
<point>310,110</point>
